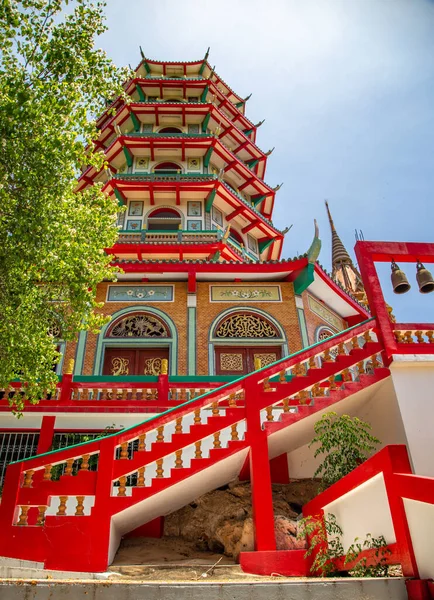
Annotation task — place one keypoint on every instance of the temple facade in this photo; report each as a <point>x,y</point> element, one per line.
<point>219,355</point>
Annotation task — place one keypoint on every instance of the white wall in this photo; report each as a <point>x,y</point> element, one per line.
<point>413,380</point>
<point>380,410</point>
<point>364,510</point>
<point>420,517</point>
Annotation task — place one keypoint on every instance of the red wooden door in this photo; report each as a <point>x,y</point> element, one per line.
<point>134,361</point>
<point>238,360</point>
<point>149,360</point>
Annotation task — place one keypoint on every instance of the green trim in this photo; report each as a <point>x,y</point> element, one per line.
<point>140,92</point>
<point>264,245</point>
<point>258,200</point>
<point>119,197</point>
<point>201,378</point>
<point>135,121</point>
<point>303,327</point>
<point>220,389</point>
<point>304,279</point>
<point>208,156</point>
<point>210,199</point>
<point>191,341</point>
<point>147,67</point>
<point>79,353</point>
<point>252,163</point>
<point>204,94</point>
<point>205,122</point>
<point>171,342</point>
<point>202,67</point>
<point>116,379</point>
<point>247,131</point>
<point>128,156</point>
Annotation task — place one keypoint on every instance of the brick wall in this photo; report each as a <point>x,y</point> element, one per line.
<point>284,312</point>
<point>177,310</point>
<point>313,321</point>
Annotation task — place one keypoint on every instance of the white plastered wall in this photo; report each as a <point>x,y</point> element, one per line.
<point>380,410</point>
<point>413,380</point>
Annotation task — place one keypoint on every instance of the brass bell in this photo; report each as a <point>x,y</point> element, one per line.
<point>399,280</point>
<point>424,279</point>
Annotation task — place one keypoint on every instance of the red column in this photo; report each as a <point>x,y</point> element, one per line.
<point>46,434</point>
<point>262,497</point>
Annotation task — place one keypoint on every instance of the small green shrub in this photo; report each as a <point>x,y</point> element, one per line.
<point>324,541</point>
<point>346,443</point>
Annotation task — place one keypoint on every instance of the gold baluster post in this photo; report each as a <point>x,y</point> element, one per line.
<point>160,470</point>
<point>79,509</point>
<point>178,459</point>
<point>62,506</point>
<point>124,451</point>
<point>122,489</point>
<point>141,477</point>
<point>47,473</point>
<point>85,462</point>
<point>142,442</point>
<point>40,520</point>
<point>27,483</point>
<point>22,520</point>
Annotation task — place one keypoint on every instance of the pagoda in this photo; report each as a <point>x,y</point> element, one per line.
<point>218,355</point>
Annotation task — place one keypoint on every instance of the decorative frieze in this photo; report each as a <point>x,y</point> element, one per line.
<point>243,293</point>
<point>322,311</point>
<point>141,293</point>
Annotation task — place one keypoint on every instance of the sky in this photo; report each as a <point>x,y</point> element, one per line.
<point>346,88</point>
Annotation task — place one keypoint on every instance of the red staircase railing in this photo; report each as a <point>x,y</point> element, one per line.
<point>145,470</point>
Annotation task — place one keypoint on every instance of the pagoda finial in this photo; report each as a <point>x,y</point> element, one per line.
<point>332,225</point>
<point>277,188</point>
<point>270,151</point>
<point>343,269</point>
<point>315,247</point>
<point>226,234</point>
<point>207,53</point>
<point>247,97</point>
<point>142,53</point>
<point>260,123</point>
<point>212,72</point>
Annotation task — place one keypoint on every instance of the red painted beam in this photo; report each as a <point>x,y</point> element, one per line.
<point>235,213</point>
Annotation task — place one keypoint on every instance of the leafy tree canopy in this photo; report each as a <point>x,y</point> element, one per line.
<point>53,81</point>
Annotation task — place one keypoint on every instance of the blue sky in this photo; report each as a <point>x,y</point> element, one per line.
<point>347,91</point>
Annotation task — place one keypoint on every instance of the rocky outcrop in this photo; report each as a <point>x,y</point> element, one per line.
<point>221,521</point>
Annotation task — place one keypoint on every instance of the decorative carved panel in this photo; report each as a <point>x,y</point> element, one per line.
<point>139,326</point>
<point>266,359</point>
<point>120,366</point>
<point>231,362</point>
<point>152,366</point>
<point>241,325</point>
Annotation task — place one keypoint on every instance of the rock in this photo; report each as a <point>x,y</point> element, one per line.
<point>221,521</point>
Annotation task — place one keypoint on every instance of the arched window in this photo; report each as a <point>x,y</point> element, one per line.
<point>170,130</point>
<point>235,236</point>
<point>167,219</point>
<point>322,333</point>
<point>138,325</point>
<point>246,325</point>
<point>167,168</point>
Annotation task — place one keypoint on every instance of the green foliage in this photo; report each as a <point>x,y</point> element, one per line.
<point>324,542</point>
<point>324,538</point>
<point>52,83</point>
<point>345,442</point>
<point>377,566</point>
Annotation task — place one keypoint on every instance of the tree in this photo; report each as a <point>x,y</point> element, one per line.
<point>346,443</point>
<point>53,81</point>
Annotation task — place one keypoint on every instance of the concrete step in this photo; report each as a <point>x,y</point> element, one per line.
<point>311,589</point>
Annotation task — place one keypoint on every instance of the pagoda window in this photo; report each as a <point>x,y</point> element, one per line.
<point>252,244</point>
<point>167,168</point>
<point>236,237</point>
<point>164,219</point>
<point>170,130</point>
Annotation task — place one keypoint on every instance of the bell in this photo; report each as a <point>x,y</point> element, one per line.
<point>424,279</point>
<point>399,280</point>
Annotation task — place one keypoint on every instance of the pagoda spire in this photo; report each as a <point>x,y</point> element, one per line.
<point>343,269</point>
